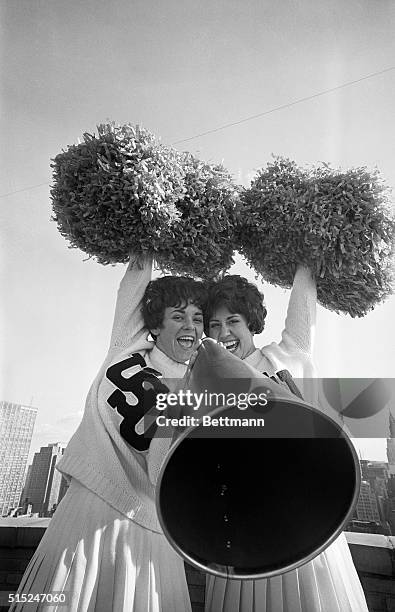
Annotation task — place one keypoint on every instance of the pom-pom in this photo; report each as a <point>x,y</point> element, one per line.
<point>122,193</point>
<point>337,223</point>
<point>202,241</point>
<point>114,193</point>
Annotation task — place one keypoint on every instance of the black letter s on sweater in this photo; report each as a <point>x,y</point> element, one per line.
<point>146,397</point>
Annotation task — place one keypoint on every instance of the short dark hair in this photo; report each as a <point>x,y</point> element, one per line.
<point>239,296</point>
<point>170,291</point>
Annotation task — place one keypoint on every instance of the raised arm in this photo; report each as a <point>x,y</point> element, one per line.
<point>298,333</point>
<point>128,325</point>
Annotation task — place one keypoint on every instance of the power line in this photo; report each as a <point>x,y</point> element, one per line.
<point>250,118</point>
<point>283,106</point>
<point>4,195</point>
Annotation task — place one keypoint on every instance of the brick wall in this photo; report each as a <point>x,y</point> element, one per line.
<point>374,558</point>
<point>196,585</point>
<point>18,541</point>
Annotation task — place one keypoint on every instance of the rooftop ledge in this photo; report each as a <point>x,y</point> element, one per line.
<point>373,555</point>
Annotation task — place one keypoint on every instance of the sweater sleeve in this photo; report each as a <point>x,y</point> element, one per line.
<point>128,325</point>
<point>298,334</point>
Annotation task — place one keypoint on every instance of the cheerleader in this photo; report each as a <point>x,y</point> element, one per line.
<point>234,314</point>
<point>104,547</point>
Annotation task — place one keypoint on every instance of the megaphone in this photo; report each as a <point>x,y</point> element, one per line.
<point>252,505</point>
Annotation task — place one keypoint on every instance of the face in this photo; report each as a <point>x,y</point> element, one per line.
<point>181,330</point>
<point>232,330</point>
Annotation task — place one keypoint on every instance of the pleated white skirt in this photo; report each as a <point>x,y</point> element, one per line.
<point>104,562</point>
<point>328,583</point>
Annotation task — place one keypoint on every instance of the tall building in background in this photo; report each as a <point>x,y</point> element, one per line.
<point>46,486</point>
<point>391,446</point>
<point>367,507</point>
<point>16,430</point>
<point>25,508</point>
<point>391,467</point>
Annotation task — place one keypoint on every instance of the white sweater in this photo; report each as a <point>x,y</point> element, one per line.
<point>294,351</point>
<point>97,454</point>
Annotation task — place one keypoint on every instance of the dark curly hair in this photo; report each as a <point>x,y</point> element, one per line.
<point>239,296</point>
<point>171,291</point>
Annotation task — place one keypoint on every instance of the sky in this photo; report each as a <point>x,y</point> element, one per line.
<point>180,69</point>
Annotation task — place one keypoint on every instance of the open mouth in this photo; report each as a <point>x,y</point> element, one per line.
<point>231,345</point>
<point>186,342</point>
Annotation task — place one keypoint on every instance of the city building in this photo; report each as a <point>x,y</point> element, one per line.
<point>367,507</point>
<point>46,486</point>
<point>16,430</point>
<point>391,469</point>
<point>367,527</point>
<point>377,474</point>
<point>24,507</point>
<point>391,446</point>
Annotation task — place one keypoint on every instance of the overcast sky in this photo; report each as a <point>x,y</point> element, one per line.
<point>179,68</point>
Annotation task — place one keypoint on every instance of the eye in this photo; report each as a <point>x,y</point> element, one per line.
<point>177,317</point>
<point>234,321</point>
<point>198,319</point>
<point>213,324</point>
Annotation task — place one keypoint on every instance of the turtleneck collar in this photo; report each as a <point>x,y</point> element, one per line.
<point>165,365</point>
